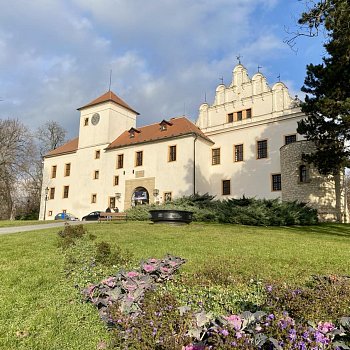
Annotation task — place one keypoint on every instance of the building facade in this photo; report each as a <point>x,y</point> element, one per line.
<point>242,144</point>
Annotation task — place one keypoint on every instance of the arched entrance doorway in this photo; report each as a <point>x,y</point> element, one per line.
<point>139,196</point>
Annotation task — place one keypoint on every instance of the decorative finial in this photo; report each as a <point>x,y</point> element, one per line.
<point>279,77</point>
<point>222,80</point>
<point>239,58</point>
<point>259,69</point>
<point>205,97</point>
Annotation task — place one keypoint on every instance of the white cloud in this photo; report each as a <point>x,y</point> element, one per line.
<point>56,55</point>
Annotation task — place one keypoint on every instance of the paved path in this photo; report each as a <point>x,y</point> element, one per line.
<point>12,229</point>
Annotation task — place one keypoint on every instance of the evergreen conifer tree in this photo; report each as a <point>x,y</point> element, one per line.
<point>327,85</point>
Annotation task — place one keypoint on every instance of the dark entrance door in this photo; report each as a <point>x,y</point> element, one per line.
<point>139,196</point>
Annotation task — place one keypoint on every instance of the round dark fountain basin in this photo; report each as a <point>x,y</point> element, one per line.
<point>170,216</point>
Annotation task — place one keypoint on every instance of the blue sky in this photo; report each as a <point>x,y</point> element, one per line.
<point>56,55</point>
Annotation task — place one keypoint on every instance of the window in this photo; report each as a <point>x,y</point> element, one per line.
<point>139,158</point>
<point>94,198</point>
<point>239,115</point>
<point>167,196</point>
<point>64,211</point>
<point>111,202</point>
<point>238,153</point>
<point>86,121</point>
<point>304,174</point>
<point>120,161</point>
<point>52,193</point>
<point>262,149</point>
<point>215,156</point>
<point>290,139</point>
<point>116,180</point>
<point>53,171</point>
<point>230,117</point>
<point>96,174</point>
<point>248,113</point>
<point>50,212</point>
<point>97,154</point>
<point>226,187</point>
<point>65,191</point>
<point>172,153</point>
<point>67,169</point>
<point>276,182</point>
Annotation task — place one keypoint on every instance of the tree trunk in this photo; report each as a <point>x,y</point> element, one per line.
<point>337,186</point>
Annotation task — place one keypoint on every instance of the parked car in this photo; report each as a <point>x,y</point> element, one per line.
<point>66,216</point>
<point>95,215</point>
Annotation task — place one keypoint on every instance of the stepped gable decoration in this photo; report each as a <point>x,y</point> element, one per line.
<point>107,97</point>
<point>69,147</point>
<point>241,94</point>
<point>175,127</point>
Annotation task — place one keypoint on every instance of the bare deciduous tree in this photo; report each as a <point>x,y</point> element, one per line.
<point>50,135</point>
<point>17,151</point>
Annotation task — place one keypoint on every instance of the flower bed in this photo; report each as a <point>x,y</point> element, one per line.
<point>145,318</point>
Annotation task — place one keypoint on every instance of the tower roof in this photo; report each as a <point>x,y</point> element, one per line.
<point>107,97</point>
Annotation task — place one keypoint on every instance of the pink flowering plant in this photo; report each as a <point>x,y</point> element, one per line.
<point>127,288</point>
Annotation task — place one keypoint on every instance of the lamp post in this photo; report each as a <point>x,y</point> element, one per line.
<point>46,198</point>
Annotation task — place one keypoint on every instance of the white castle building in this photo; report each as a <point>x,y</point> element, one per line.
<point>245,143</point>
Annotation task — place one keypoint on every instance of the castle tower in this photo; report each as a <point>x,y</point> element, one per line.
<point>103,119</point>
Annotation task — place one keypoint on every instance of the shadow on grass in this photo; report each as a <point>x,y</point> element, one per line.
<point>327,229</point>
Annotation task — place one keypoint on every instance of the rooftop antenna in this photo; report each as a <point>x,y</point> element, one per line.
<point>205,97</point>
<point>110,80</point>
<point>184,108</point>
<point>279,78</point>
<point>239,58</point>
<point>259,69</point>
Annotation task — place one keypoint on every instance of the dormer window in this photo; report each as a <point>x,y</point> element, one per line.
<point>132,132</point>
<point>164,125</point>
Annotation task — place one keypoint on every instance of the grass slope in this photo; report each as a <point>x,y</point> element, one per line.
<point>41,310</point>
<point>12,223</point>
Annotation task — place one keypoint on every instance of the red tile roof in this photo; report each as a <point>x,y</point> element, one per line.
<point>69,147</point>
<point>175,127</point>
<point>109,96</point>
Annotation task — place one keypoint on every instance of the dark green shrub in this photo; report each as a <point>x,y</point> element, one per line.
<point>70,234</point>
<point>109,255</point>
<point>243,211</point>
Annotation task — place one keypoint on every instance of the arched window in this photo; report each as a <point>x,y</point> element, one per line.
<point>303,173</point>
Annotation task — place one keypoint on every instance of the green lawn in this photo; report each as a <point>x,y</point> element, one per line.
<point>35,298</point>
<point>10,223</point>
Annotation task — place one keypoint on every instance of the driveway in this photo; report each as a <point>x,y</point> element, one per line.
<point>7,230</point>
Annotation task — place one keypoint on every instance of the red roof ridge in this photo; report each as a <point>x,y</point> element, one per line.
<point>179,126</point>
<point>106,97</point>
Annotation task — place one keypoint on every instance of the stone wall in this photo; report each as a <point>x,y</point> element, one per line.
<point>318,190</point>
